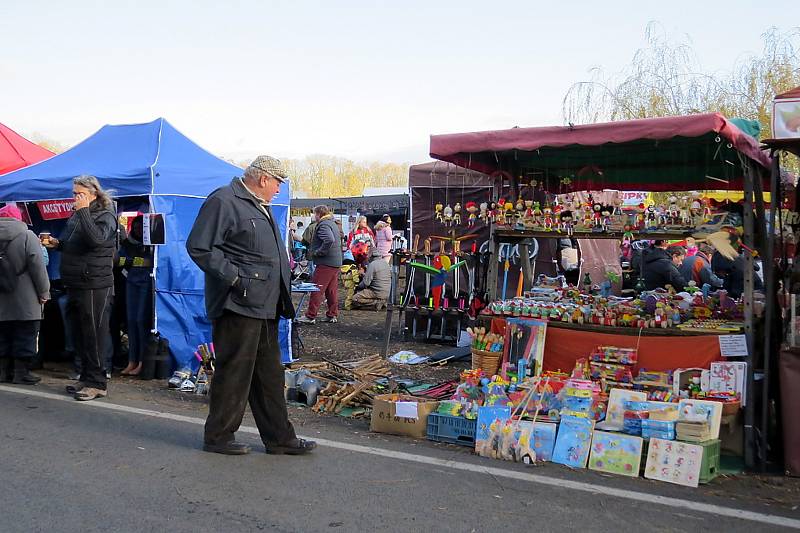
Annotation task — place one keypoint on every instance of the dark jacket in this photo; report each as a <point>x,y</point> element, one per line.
<point>25,254</point>
<point>242,254</point>
<point>137,259</point>
<point>327,243</point>
<point>660,271</point>
<point>87,246</point>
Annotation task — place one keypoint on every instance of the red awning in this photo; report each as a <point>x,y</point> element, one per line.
<point>794,93</point>
<point>16,151</point>
<point>655,129</point>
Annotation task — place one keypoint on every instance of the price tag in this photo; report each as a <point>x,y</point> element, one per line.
<point>733,345</point>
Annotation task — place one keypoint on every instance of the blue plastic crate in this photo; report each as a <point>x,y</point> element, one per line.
<point>452,429</point>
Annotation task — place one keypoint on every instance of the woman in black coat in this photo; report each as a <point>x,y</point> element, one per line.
<point>87,248</point>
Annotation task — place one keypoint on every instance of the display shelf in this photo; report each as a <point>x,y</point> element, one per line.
<point>614,330</point>
<point>510,233</point>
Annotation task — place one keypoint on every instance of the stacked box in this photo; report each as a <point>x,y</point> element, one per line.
<point>633,415</point>
<point>658,429</point>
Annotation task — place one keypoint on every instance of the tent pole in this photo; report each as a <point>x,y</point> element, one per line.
<point>749,410</point>
<point>770,291</point>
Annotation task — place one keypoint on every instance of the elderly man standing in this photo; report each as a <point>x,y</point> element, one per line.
<point>235,241</point>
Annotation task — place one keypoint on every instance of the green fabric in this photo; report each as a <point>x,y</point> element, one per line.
<point>750,127</point>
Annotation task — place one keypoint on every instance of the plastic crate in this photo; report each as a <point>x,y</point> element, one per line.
<point>709,467</point>
<point>452,429</point>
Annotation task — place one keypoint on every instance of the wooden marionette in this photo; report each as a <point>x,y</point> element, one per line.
<point>674,210</point>
<point>597,217</point>
<point>500,212</point>
<point>696,208</point>
<point>484,212</point>
<point>651,217</point>
<point>639,222</point>
<point>438,212</point>
<point>587,216</point>
<point>565,222</point>
<point>548,221</point>
<point>472,209</point>
<point>684,214</point>
<point>520,210</point>
<point>448,215</point>
<point>627,241</point>
<point>510,214</point>
<point>606,211</point>
<point>663,216</point>
<point>537,214</point>
<point>618,206</point>
<point>457,214</point>
<point>527,217</point>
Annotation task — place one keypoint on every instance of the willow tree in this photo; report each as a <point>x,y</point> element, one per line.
<point>665,78</point>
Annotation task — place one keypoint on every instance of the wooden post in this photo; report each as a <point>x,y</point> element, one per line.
<point>749,410</point>
<point>491,276</point>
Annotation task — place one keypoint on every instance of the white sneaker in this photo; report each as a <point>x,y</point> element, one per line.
<point>305,320</point>
<point>331,319</point>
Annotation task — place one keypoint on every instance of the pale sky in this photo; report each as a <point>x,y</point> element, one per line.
<point>363,80</point>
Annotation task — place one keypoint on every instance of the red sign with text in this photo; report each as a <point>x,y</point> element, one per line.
<point>55,209</point>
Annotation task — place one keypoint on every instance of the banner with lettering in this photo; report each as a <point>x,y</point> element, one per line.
<point>55,209</point>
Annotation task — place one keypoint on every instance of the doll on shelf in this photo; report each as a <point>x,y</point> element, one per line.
<point>548,221</point>
<point>500,212</point>
<point>537,214</point>
<point>565,222</point>
<point>597,217</point>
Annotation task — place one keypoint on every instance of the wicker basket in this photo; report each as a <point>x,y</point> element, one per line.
<point>489,362</point>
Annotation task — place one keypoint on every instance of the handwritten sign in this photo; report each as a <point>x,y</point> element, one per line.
<point>733,345</point>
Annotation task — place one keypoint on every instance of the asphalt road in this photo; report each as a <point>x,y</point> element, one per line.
<point>67,466</point>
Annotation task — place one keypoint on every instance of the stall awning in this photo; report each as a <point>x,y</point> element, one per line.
<point>658,154</point>
<point>16,151</point>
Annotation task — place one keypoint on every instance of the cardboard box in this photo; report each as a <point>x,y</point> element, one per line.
<point>400,414</point>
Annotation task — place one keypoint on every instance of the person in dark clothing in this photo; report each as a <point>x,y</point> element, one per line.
<point>327,251</point>
<point>24,288</point>
<point>87,247</point>
<point>698,268</point>
<point>658,270</point>
<point>136,259</point>
<point>235,241</point>
<point>731,271</point>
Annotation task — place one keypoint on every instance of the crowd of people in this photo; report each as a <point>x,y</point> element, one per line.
<point>96,261</point>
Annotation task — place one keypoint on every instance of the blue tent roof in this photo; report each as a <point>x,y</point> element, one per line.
<point>131,160</point>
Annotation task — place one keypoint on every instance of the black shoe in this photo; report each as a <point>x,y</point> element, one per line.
<point>230,448</point>
<point>23,376</point>
<point>72,389</point>
<point>293,447</point>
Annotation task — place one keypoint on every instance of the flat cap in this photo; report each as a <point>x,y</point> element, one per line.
<point>271,166</point>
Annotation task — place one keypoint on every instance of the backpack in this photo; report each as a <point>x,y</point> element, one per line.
<point>8,273</point>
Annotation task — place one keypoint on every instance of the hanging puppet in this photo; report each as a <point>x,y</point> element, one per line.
<point>457,214</point>
<point>500,212</point>
<point>438,212</point>
<point>448,215</point>
<point>484,212</point>
<point>472,209</point>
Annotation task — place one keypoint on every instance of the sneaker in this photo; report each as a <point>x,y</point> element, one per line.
<point>108,375</point>
<point>90,393</point>
<point>331,319</point>
<point>305,320</point>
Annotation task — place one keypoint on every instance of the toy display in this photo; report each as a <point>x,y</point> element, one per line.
<point>524,346</point>
<point>615,453</point>
<point>694,415</point>
<point>674,462</point>
<point>616,407</point>
<point>573,442</point>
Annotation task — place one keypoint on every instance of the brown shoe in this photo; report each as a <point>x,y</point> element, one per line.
<point>293,447</point>
<point>90,393</point>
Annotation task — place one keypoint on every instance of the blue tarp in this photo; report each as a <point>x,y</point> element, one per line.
<point>155,160</point>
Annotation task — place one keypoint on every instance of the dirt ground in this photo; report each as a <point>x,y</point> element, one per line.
<point>359,334</point>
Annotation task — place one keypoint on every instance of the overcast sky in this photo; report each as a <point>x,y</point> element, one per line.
<point>364,80</point>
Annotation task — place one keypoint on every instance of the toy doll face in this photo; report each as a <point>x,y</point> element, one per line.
<point>597,208</point>
<point>566,216</point>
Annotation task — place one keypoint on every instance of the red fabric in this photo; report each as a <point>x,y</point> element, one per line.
<point>793,93</point>
<point>564,346</point>
<point>327,279</point>
<point>448,147</point>
<point>17,152</point>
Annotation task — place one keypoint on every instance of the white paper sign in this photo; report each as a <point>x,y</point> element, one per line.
<point>406,410</point>
<point>733,345</point>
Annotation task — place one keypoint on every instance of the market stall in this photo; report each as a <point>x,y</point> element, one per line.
<point>16,151</point>
<point>538,176</point>
<point>152,168</point>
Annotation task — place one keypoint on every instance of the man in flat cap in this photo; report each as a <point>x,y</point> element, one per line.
<point>235,241</point>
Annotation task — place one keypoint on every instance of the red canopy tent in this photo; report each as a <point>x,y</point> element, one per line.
<point>656,154</point>
<point>16,151</point>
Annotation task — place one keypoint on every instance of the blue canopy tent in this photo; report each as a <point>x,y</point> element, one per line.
<point>156,161</point>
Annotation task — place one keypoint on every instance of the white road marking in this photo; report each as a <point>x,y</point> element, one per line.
<point>644,497</point>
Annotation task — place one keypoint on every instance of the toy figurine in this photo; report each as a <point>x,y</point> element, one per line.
<point>457,214</point>
<point>438,212</point>
<point>510,214</point>
<point>500,212</point>
<point>627,241</point>
<point>618,207</point>
<point>472,209</point>
<point>684,213</point>
<point>587,283</point>
<point>484,212</point>
<point>696,208</point>
<point>663,216</point>
<point>597,218</point>
<point>537,214</point>
<point>565,223</point>
<point>492,212</point>
<point>547,223</point>
<point>527,217</point>
<point>520,208</point>
<point>606,211</point>
<point>651,217</point>
<point>673,212</point>
<point>447,215</point>
<point>587,216</point>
